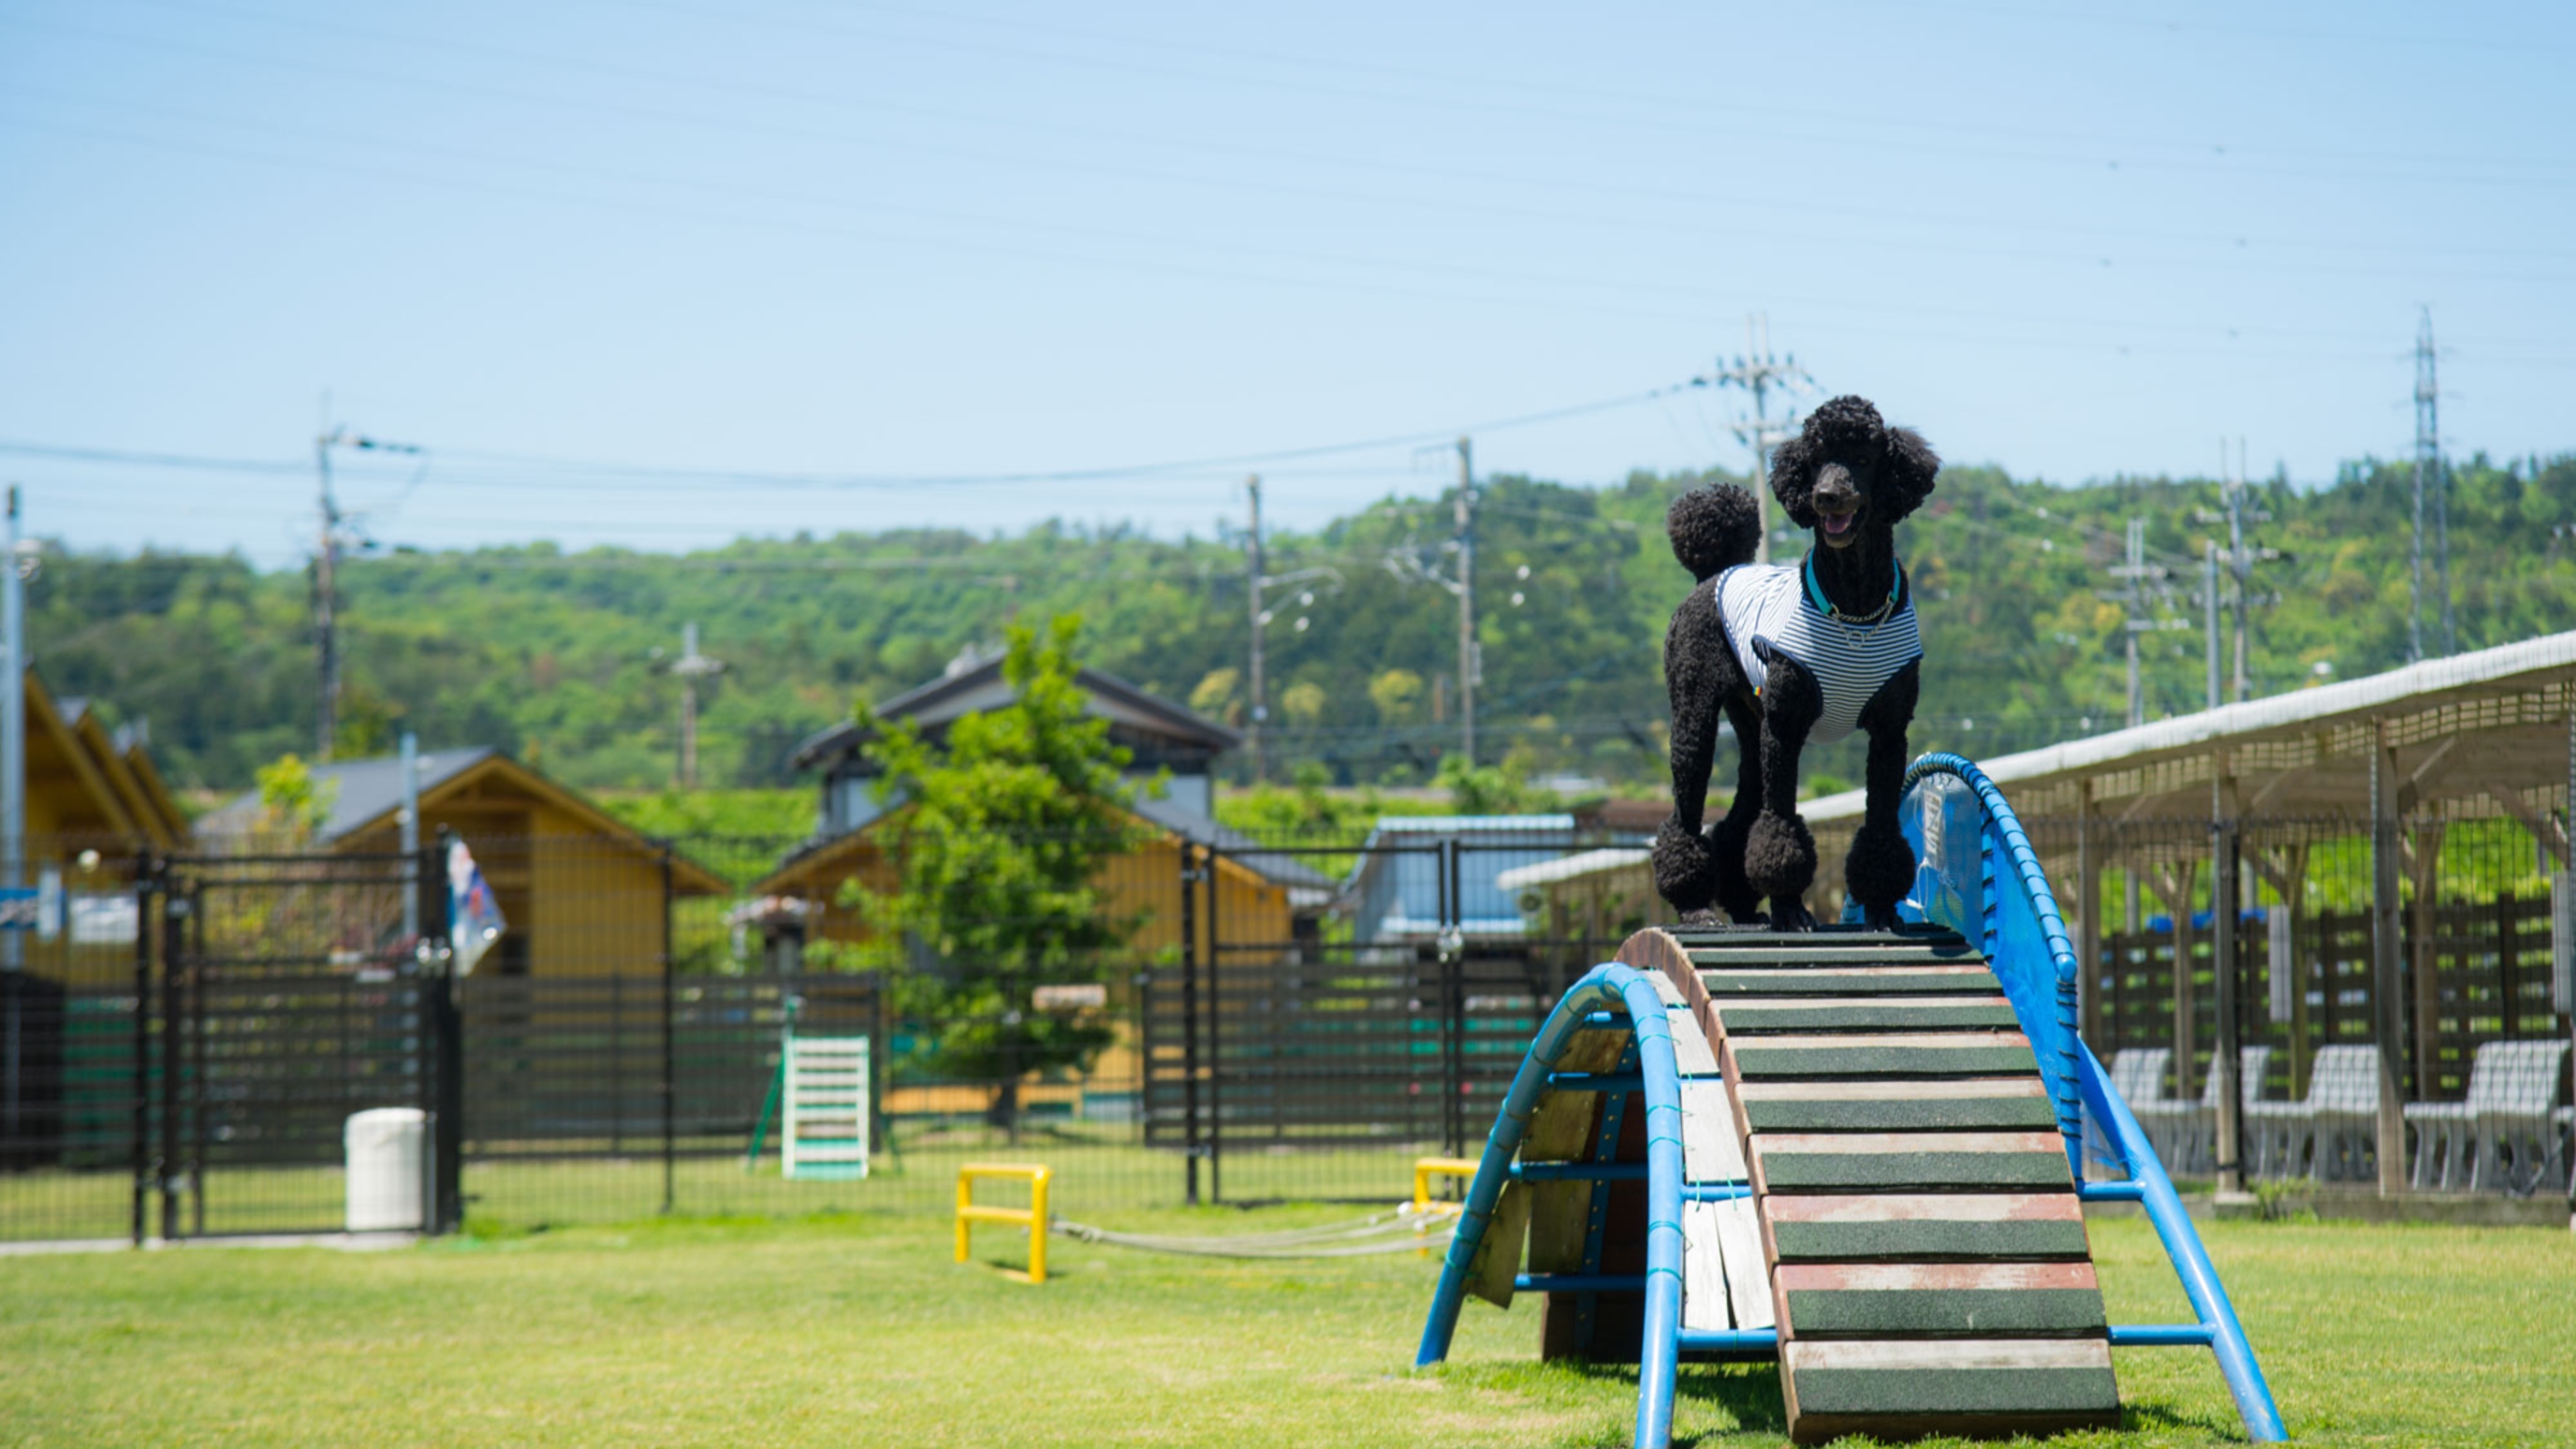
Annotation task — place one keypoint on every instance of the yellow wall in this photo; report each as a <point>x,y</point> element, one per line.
<point>1146,880</point>
<point>1143,882</point>
<point>578,903</point>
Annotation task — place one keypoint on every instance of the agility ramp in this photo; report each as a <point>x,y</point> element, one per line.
<point>1857,1152</point>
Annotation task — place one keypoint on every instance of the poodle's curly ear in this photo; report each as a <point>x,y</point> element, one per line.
<point>1793,477</point>
<point>1907,473</point>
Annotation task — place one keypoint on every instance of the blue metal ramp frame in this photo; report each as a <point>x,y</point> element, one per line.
<point>1979,876</point>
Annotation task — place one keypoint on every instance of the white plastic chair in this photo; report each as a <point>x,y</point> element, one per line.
<point>2186,1132</point>
<point>2334,1132</point>
<point>2512,1086</point>
<point>2520,1146</point>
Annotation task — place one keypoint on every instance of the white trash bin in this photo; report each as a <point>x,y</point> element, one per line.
<point>385,1146</point>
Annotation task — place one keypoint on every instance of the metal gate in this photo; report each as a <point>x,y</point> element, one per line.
<point>1266,1046</point>
<point>283,993</point>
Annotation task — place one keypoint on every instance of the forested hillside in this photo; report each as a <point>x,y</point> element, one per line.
<point>564,659</point>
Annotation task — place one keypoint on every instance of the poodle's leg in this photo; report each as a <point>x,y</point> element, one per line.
<point>1779,853</point>
<point>1742,903</point>
<point>1880,868</point>
<point>1700,673</point>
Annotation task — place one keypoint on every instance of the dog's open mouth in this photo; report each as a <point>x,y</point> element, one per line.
<point>1838,527</point>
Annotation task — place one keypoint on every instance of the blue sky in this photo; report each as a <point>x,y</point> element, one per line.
<point>833,267</point>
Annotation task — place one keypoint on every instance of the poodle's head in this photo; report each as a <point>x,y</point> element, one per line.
<point>1847,471</point>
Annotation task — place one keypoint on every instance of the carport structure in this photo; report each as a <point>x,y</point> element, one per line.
<point>2280,805</point>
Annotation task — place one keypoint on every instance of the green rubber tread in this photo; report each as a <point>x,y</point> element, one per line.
<point>1998,1015</point>
<point>1888,1312</point>
<point>1777,961</point>
<point>1939,1114</point>
<point>1780,983</point>
<point>1759,1062</point>
<point>1898,1170</point>
<point>1702,938</point>
<point>1956,1391</point>
<point>1928,1240</point>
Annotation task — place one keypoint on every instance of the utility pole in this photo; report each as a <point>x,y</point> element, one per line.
<point>1260,696</point>
<point>2142,583</point>
<point>1758,372</point>
<point>2431,478</point>
<point>326,598</point>
<point>691,667</point>
<point>13,732</point>
<point>2209,609</point>
<point>2240,559</point>
<point>2238,564</point>
<point>326,571</point>
<point>1469,656</point>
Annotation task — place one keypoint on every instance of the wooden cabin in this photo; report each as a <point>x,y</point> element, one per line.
<point>583,892</point>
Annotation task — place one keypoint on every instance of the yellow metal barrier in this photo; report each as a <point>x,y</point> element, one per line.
<point>1427,1168</point>
<point>1034,1216</point>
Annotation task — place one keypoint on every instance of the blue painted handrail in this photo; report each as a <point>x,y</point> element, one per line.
<point>2224,1335</point>
<point>1660,1083</point>
<point>2000,899</point>
<point>2008,908</point>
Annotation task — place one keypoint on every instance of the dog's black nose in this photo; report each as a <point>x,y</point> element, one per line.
<point>1835,490</point>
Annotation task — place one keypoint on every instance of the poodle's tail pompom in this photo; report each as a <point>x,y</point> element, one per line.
<point>1714,529</point>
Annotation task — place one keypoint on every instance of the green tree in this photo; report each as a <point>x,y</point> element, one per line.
<point>291,802</point>
<point>1487,789</point>
<point>1303,703</point>
<point>1397,693</point>
<point>997,849</point>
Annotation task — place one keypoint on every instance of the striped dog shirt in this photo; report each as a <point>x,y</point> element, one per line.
<point>1771,610</point>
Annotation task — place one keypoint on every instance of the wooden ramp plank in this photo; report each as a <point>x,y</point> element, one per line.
<point>1850,1014</point>
<point>1950,1104</point>
<point>1705,1302</point>
<point>1921,1247</point>
<point>1711,1151</point>
<point>1851,982</point>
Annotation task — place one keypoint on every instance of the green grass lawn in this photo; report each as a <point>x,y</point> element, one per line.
<point>858,1330</point>
<point>1097,1171</point>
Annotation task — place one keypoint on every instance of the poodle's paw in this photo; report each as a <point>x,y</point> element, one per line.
<point>1879,918</point>
<point>1878,872</point>
<point>1735,895</point>
<point>1701,918</point>
<point>1780,857</point>
<point>1793,916</point>
<point>1685,867</point>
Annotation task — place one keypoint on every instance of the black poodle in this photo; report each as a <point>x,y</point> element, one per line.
<point>1792,653</point>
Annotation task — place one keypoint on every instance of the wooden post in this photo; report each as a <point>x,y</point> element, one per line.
<point>2174,883</point>
<point>2286,867</point>
<point>2387,1018</point>
<point>2423,963</point>
<point>2224,1061</point>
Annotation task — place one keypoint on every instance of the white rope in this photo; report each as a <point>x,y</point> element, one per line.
<point>1401,1231</point>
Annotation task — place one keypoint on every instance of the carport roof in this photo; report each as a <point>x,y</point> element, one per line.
<point>2484,733</point>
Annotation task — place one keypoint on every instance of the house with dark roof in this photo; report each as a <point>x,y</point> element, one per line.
<point>1157,734</point>
<point>1258,896</point>
<point>581,890</point>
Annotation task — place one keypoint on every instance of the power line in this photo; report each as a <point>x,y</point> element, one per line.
<point>833,480</point>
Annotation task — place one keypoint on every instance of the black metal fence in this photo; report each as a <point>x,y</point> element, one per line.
<point>1293,1019</point>
<point>192,1072</point>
